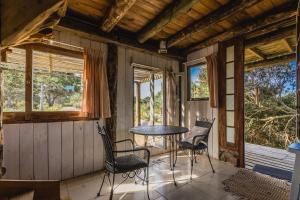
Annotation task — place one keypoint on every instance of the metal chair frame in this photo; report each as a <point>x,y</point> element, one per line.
<point>205,123</point>
<point>110,164</point>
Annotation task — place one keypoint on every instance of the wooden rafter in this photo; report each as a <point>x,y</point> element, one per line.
<point>222,13</point>
<point>272,61</point>
<point>35,16</point>
<point>244,28</point>
<point>270,37</point>
<point>287,45</point>
<point>258,53</point>
<point>116,13</point>
<point>173,11</point>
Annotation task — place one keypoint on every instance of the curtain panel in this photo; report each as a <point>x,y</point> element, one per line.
<point>96,102</point>
<point>212,78</point>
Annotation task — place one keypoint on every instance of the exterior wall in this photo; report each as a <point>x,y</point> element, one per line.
<point>194,109</point>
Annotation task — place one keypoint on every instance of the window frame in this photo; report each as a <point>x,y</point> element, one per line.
<point>41,116</point>
<point>188,68</point>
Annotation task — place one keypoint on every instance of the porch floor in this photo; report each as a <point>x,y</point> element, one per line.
<point>268,156</point>
<point>204,186</point>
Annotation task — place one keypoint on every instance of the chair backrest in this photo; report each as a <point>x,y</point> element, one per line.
<point>205,123</point>
<point>108,147</point>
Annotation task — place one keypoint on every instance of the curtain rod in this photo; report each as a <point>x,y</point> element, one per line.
<point>65,44</point>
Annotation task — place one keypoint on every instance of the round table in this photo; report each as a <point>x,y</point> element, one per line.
<point>163,131</point>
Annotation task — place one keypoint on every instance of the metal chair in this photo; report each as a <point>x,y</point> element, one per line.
<point>130,166</point>
<point>201,145</point>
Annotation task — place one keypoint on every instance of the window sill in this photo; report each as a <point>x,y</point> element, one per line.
<point>36,117</point>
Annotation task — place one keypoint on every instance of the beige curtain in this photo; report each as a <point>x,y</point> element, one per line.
<point>212,76</point>
<point>171,98</point>
<point>95,103</point>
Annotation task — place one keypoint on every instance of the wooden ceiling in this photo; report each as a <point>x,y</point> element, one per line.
<point>194,24</point>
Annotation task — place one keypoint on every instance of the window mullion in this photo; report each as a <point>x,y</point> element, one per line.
<point>28,84</point>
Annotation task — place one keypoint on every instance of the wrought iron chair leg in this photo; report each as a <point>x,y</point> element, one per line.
<point>112,188</point>
<point>192,163</point>
<point>148,183</point>
<point>195,157</point>
<point>98,194</point>
<point>210,162</point>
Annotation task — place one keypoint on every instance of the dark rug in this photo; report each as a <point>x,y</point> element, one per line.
<point>274,172</point>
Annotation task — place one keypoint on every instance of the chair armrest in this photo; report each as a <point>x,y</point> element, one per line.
<point>136,149</point>
<point>126,140</point>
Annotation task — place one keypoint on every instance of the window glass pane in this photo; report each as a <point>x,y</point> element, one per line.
<point>230,135</point>
<point>198,82</point>
<point>14,80</point>
<point>229,86</point>
<point>230,118</point>
<point>145,103</point>
<point>230,70</point>
<point>229,102</point>
<point>158,99</point>
<point>230,54</point>
<point>57,82</point>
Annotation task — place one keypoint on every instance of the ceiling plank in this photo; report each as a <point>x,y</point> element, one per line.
<point>258,53</point>
<point>116,13</point>
<point>272,61</point>
<point>244,28</point>
<point>271,37</point>
<point>287,45</point>
<point>222,13</point>
<point>16,27</point>
<point>157,24</point>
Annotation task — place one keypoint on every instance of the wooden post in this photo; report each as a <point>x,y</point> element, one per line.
<point>112,76</point>
<point>151,99</point>
<point>28,84</point>
<point>138,103</point>
<point>2,169</point>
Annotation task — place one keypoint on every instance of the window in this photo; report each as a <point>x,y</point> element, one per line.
<point>14,80</point>
<point>197,82</point>
<point>42,83</point>
<point>57,82</point>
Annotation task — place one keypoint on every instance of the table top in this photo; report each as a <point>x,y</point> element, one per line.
<point>158,130</point>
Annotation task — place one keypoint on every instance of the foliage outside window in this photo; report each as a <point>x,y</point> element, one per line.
<point>14,81</point>
<point>197,82</point>
<point>270,105</point>
<point>57,82</point>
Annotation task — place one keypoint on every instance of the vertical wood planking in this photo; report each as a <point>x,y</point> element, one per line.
<point>67,150</point>
<point>54,143</point>
<point>11,151</point>
<point>26,151</point>
<point>88,156</point>
<point>78,148</point>
<point>40,146</point>
<point>98,148</point>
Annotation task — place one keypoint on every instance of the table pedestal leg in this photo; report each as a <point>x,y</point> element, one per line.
<point>173,156</point>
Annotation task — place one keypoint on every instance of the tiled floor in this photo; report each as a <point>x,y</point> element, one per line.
<point>204,186</point>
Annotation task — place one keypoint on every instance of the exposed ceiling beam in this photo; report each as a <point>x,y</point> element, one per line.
<point>171,12</point>
<point>258,53</point>
<point>76,22</point>
<point>287,45</point>
<point>22,19</point>
<point>272,61</point>
<point>116,12</point>
<point>222,13</point>
<point>271,37</point>
<point>244,28</point>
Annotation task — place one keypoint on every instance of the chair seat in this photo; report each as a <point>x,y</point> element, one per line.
<point>188,145</point>
<point>128,163</point>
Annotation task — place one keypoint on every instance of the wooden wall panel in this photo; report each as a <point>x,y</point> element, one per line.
<point>67,148</point>
<point>40,145</point>
<point>26,151</point>
<point>54,146</point>
<point>88,151</point>
<point>11,150</point>
<point>78,148</point>
<point>98,148</point>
